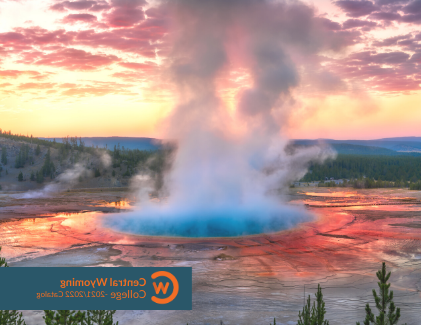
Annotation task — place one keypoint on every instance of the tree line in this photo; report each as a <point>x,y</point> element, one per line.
<point>153,162</point>
<point>370,183</point>
<point>379,168</point>
<point>66,146</point>
<point>25,138</point>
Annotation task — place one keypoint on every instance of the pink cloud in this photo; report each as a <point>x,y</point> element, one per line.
<point>138,66</point>
<point>414,7</point>
<point>141,39</point>
<point>125,13</point>
<point>125,26</point>
<point>68,85</point>
<point>137,40</point>
<point>100,6</point>
<point>17,73</point>
<point>24,38</point>
<point>403,11</point>
<point>36,85</point>
<point>356,8</point>
<point>391,41</point>
<point>72,18</point>
<point>43,76</point>
<point>129,76</point>
<point>58,7</point>
<point>385,16</point>
<point>69,58</point>
<point>329,24</point>
<point>394,71</point>
<point>123,17</point>
<point>355,23</point>
<point>73,5</point>
<point>97,90</point>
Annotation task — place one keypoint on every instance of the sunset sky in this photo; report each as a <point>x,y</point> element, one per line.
<point>97,68</point>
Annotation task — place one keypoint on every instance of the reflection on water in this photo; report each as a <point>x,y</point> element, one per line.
<point>364,198</point>
<point>121,204</point>
<point>330,194</point>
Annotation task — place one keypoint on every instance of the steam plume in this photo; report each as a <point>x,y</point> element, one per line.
<point>65,180</point>
<point>228,167</point>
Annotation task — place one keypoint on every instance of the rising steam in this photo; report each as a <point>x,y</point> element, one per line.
<point>229,167</point>
<point>65,180</point>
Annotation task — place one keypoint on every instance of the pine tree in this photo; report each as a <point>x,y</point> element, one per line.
<point>383,301</point>
<point>22,157</point>
<point>316,314</point>
<point>3,262</point>
<point>38,150</point>
<point>11,317</point>
<point>81,144</point>
<point>99,317</point>
<point>3,156</point>
<point>39,177</point>
<point>20,177</point>
<point>319,310</point>
<point>48,169</point>
<point>18,161</point>
<point>304,317</point>
<point>63,317</point>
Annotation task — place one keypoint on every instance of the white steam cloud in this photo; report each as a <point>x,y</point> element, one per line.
<point>65,180</point>
<point>105,159</point>
<point>62,182</point>
<point>228,169</point>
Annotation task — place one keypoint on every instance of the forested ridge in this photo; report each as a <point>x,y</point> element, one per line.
<point>73,147</point>
<point>385,168</point>
<point>402,169</point>
<point>72,150</point>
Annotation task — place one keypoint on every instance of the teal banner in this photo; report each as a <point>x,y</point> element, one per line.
<point>96,288</point>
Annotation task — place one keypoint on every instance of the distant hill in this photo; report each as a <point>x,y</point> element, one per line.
<point>387,146</point>
<point>352,149</point>
<point>127,142</point>
<point>399,145</point>
<point>417,139</point>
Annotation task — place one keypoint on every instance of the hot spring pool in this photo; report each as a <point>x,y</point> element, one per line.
<point>211,222</point>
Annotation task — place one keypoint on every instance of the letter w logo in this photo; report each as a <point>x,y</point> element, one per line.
<point>161,286</point>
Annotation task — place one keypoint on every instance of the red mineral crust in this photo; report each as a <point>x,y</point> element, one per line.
<point>351,234</point>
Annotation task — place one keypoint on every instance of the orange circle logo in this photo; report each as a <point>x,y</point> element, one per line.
<point>164,288</point>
